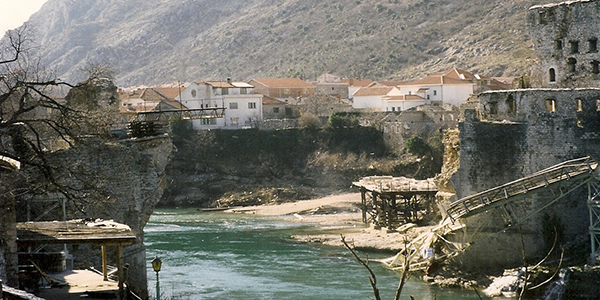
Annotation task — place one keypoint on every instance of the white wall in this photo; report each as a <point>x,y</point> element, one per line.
<point>373,102</point>
<point>195,96</point>
<point>246,114</point>
<point>401,105</point>
<point>367,102</point>
<point>454,94</point>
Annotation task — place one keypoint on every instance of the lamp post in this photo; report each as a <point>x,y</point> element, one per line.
<point>156,264</point>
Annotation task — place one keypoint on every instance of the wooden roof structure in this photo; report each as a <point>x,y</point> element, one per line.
<point>99,232</point>
<point>74,232</point>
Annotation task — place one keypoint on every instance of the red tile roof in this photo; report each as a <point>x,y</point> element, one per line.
<point>373,91</point>
<point>452,76</point>
<point>169,92</point>
<point>270,100</point>
<point>357,82</point>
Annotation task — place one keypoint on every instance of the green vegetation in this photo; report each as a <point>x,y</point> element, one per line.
<point>417,146</point>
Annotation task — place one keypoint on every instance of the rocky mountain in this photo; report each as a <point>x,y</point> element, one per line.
<point>158,41</point>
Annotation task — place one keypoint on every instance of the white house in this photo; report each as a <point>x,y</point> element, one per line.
<point>241,107</point>
<point>372,98</point>
<point>402,102</point>
<point>452,87</point>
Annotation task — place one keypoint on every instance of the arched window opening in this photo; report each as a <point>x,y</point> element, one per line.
<point>552,75</point>
<point>550,105</point>
<point>542,17</point>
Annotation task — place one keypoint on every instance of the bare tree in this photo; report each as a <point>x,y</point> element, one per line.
<point>373,278</point>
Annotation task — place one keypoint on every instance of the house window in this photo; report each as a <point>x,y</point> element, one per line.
<point>579,105</point>
<point>225,91</point>
<point>275,110</point>
<point>550,105</point>
<point>243,91</point>
<point>210,121</point>
<point>595,68</point>
<point>234,121</point>
<point>558,45</point>
<point>552,75</point>
<point>435,92</point>
<point>252,105</point>
<point>593,45</point>
<point>393,108</point>
<point>194,93</point>
<point>233,105</point>
<point>572,62</point>
<point>574,47</point>
<point>579,122</point>
<point>597,104</point>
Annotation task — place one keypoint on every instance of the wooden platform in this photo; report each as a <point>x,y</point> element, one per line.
<point>80,284</point>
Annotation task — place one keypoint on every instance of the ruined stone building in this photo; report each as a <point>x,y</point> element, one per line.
<point>507,135</point>
<point>565,36</point>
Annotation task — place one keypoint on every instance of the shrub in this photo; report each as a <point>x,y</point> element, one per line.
<point>417,146</point>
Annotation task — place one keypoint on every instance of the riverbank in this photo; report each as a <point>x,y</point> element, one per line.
<point>336,215</point>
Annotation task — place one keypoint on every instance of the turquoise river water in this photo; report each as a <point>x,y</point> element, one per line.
<point>232,256</point>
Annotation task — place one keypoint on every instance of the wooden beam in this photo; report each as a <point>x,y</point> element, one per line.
<point>120,271</point>
<point>104,268</point>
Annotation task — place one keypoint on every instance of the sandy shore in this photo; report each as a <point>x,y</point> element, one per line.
<point>336,215</point>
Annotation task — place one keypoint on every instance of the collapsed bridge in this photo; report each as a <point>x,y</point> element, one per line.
<point>560,180</point>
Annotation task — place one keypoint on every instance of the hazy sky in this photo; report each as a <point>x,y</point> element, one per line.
<point>14,12</point>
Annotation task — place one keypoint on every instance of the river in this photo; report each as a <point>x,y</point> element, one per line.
<point>232,256</point>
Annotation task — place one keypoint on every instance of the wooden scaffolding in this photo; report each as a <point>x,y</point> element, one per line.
<point>388,201</point>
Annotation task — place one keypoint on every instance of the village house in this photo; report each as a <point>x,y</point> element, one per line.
<point>331,85</point>
<point>145,100</point>
<point>290,90</point>
<point>354,84</point>
<point>273,108</point>
<point>453,86</point>
<point>242,107</point>
<point>384,98</point>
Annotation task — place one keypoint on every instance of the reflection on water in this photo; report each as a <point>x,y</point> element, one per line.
<point>225,256</point>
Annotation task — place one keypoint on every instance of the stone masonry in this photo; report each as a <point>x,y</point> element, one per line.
<point>565,36</point>
<point>507,135</point>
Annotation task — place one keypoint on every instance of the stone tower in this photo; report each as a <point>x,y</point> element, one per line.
<point>565,36</point>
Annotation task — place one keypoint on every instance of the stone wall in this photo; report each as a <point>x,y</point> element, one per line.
<point>120,181</point>
<point>512,134</point>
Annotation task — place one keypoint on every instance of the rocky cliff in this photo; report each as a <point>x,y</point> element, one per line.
<point>157,41</point>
